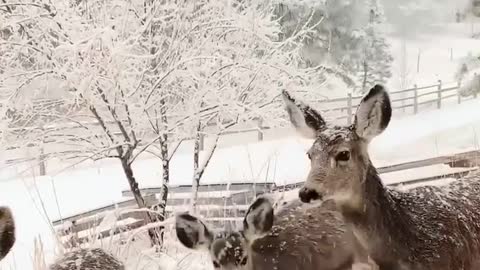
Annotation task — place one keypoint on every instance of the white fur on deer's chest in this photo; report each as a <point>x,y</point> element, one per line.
<point>349,200</point>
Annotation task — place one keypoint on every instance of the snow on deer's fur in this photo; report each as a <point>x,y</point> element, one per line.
<point>7,231</point>
<point>87,259</point>
<point>313,238</point>
<point>431,228</point>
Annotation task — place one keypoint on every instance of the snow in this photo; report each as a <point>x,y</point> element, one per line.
<point>439,183</point>
<point>419,173</point>
<point>106,226</point>
<point>282,161</point>
<point>429,134</point>
<point>436,51</point>
<point>209,194</point>
<point>183,208</point>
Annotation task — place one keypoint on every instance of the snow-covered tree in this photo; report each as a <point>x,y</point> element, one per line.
<point>138,76</point>
<point>336,40</point>
<point>411,17</point>
<point>240,79</point>
<point>377,60</point>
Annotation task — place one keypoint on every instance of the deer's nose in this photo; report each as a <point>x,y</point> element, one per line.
<point>306,195</point>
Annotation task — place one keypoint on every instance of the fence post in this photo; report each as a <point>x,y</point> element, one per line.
<point>439,95</point>
<point>459,97</point>
<point>415,99</point>
<point>260,130</point>
<point>349,109</point>
<point>418,60</point>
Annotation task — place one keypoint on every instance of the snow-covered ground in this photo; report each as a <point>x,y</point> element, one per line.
<point>35,202</point>
<point>440,55</point>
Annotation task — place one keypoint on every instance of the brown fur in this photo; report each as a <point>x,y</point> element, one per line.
<point>313,238</point>
<point>307,238</point>
<point>87,259</point>
<point>426,228</point>
<point>7,231</point>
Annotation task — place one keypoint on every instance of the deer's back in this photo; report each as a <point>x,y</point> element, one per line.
<point>305,239</point>
<point>447,224</point>
<point>88,259</point>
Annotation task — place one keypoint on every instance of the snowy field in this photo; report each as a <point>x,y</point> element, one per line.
<point>440,55</point>
<point>37,201</point>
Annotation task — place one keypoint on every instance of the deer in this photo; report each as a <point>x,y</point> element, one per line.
<point>427,227</point>
<point>7,231</point>
<point>87,259</point>
<point>307,239</point>
<point>81,259</point>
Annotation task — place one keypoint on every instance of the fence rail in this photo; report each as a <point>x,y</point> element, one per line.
<point>416,98</point>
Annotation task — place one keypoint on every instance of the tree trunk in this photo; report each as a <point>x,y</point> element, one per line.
<point>164,190</point>
<point>137,195</point>
<point>164,153</point>
<point>162,205</point>
<point>196,175</point>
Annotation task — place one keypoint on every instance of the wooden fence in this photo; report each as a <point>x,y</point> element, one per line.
<point>412,100</point>
<point>224,205</point>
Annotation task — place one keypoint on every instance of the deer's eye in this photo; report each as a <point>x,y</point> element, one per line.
<point>309,155</point>
<point>244,261</point>
<point>216,264</point>
<point>343,156</point>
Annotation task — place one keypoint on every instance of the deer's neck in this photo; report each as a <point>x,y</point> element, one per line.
<point>379,220</point>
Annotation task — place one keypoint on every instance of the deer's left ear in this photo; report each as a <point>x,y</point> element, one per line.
<point>373,113</point>
<point>192,232</point>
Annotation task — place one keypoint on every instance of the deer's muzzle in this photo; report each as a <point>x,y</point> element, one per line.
<point>306,195</point>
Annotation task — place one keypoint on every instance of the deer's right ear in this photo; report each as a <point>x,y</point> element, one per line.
<point>306,120</point>
<point>192,232</point>
<point>259,219</point>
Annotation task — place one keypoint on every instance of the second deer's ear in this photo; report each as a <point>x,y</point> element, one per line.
<point>306,120</point>
<point>259,219</point>
<point>192,232</point>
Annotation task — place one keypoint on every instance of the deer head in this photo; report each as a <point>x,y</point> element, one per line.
<point>339,157</point>
<point>7,231</point>
<point>227,250</point>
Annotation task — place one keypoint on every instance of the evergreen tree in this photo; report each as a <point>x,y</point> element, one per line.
<point>377,60</point>
<point>336,40</point>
